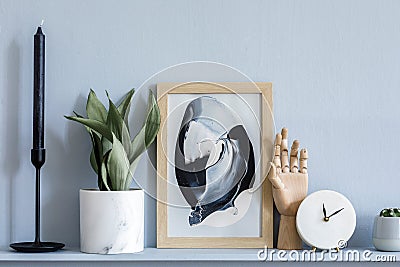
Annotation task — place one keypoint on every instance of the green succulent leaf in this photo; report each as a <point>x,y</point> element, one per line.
<point>106,144</point>
<point>80,116</point>
<point>104,173</point>
<point>390,212</point>
<point>114,120</point>
<point>125,105</point>
<point>149,131</point>
<point>95,109</point>
<point>153,120</point>
<point>97,126</point>
<point>132,169</point>
<point>126,140</point>
<point>118,166</point>
<point>97,151</point>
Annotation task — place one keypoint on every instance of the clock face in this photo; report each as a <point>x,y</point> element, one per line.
<point>325,219</point>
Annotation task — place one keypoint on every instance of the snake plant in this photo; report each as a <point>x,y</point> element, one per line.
<point>392,212</point>
<point>114,155</point>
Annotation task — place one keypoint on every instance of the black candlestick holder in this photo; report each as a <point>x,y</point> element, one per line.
<point>37,158</point>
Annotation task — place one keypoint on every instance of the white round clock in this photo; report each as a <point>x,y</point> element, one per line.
<point>326,220</point>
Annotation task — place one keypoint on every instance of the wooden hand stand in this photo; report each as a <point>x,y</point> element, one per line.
<point>290,184</point>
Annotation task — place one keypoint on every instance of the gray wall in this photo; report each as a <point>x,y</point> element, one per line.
<point>335,67</point>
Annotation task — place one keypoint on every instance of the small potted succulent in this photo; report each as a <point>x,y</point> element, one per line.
<point>386,232</point>
<point>112,216</point>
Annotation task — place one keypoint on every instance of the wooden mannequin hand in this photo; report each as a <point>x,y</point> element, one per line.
<point>290,183</point>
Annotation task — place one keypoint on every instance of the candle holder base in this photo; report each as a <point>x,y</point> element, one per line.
<point>37,247</point>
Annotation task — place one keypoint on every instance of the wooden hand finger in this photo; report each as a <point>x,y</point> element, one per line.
<point>294,161</point>
<point>273,177</point>
<point>284,151</point>
<point>303,160</point>
<point>277,153</point>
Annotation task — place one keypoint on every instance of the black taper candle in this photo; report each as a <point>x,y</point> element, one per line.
<point>38,89</point>
<point>38,152</point>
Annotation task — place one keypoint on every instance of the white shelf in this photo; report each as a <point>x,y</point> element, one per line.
<point>149,254</point>
<point>156,255</point>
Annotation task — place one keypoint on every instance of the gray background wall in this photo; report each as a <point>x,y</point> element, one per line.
<point>335,67</point>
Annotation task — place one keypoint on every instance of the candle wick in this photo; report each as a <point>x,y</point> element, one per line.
<point>41,24</point>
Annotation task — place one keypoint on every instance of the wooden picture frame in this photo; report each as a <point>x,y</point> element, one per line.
<point>265,237</point>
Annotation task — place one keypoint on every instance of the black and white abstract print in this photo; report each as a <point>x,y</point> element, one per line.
<point>214,158</point>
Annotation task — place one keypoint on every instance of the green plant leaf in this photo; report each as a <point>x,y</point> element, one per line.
<point>138,144</point>
<point>119,128</point>
<point>95,109</point>
<point>97,126</point>
<point>106,144</point>
<point>125,106</point>
<point>103,179</point>
<point>117,166</point>
<point>80,116</point>
<point>126,140</point>
<point>149,131</point>
<point>114,120</point>
<point>153,120</point>
<point>94,161</point>
<point>97,151</point>
<point>132,169</point>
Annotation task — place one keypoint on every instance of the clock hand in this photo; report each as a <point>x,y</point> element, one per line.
<point>336,212</point>
<point>326,219</point>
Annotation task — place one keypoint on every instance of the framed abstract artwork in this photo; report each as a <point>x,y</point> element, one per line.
<point>213,149</point>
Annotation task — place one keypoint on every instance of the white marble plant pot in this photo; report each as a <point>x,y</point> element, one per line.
<point>112,222</point>
<point>386,233</point>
